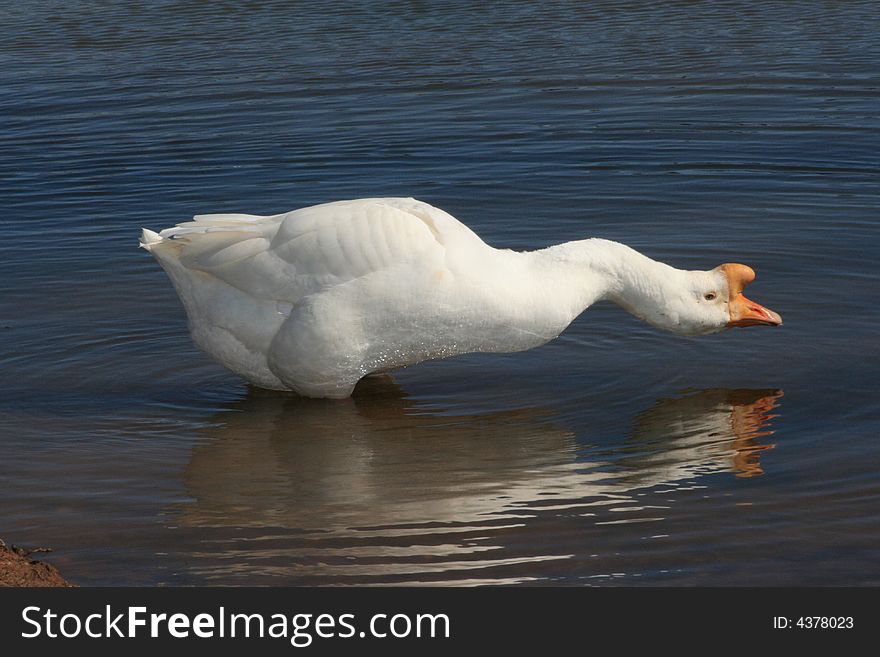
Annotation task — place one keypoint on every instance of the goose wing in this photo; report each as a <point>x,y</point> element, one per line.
<point>288,256</point>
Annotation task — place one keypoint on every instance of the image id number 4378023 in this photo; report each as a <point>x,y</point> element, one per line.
<point>813,623</point>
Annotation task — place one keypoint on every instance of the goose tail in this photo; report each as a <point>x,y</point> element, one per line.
<point>149,239</point>
<point>210,230</point>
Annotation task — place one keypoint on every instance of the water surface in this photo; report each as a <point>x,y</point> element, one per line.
<point>697,133</point>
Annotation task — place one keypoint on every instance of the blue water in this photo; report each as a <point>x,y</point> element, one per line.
<point>698,133</point>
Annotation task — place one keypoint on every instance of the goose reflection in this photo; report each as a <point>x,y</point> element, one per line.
<point>380,458</point>
<point>700,432</point>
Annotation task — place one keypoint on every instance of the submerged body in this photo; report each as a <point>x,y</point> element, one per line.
<point>317,298</point>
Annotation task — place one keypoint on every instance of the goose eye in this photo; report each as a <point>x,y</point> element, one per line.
<point>710,296</point>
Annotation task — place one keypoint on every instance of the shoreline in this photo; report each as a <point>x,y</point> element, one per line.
<point>17,569</point>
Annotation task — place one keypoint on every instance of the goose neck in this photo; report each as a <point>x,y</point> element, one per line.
<point>596,269</point>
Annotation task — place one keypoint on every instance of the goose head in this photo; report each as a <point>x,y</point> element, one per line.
<point>711,301</point>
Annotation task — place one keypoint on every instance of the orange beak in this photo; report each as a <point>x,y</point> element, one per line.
<point>743,311</point>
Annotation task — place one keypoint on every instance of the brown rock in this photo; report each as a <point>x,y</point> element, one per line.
<point>16,569</point>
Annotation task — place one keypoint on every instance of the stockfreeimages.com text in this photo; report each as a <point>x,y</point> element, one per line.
<point>300,629</point>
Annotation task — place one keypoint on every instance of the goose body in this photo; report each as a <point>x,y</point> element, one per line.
<point>315,299</point>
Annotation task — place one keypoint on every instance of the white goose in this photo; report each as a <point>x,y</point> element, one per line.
<point>315,299</point>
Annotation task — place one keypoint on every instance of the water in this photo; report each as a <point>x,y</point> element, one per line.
<point>697,133</point>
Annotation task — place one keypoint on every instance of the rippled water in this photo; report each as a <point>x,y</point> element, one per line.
<point>697,133</point>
